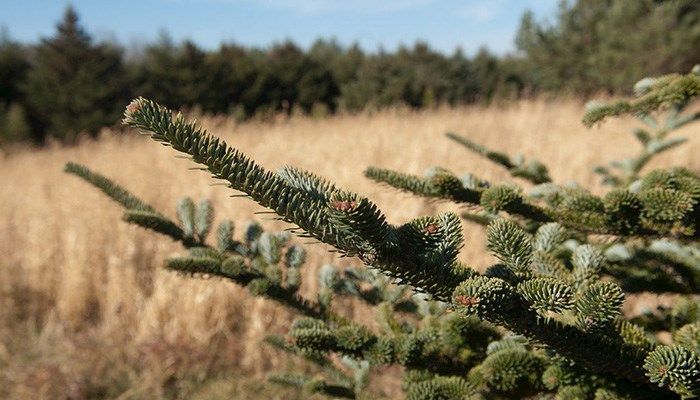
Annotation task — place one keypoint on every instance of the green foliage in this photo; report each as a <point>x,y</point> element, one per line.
<point>175,75</point>
<point>481,296</point>
<point>672,94</point>
<point>440,388</point>
<point>14,124</point>
<point>689,337</point>
<point>534,171</point>
<point>598,304</point>
<point>545,322</point>
<point>512,370</point>
<point>676,367</point>
<point>654,93</point>
<point>13,69</point>
<point>510,244</point>
<point>604,45</point>
<point>547,294</point>
<point>349,222</point>
<point>68,85</point>
<point>74,86</point>
<point>110,188</point>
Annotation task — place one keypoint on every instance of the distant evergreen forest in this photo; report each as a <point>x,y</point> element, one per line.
<point>70,85</point>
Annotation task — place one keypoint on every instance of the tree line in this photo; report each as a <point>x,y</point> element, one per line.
<point>69,85</point>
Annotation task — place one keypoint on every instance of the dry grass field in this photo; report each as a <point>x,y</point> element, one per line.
<point>87,312</point>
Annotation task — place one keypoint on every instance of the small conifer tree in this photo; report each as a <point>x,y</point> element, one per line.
<point>73,85</point>
<point>545,321</point>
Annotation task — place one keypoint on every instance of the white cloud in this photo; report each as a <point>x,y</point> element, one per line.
<point>482,11</point>
<point>326,6</point>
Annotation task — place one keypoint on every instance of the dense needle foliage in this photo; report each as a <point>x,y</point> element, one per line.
<point>545,321</point>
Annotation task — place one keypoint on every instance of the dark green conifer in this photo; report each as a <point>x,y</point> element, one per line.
<point>74,85</point>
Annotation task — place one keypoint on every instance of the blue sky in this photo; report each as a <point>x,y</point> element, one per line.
<point>445,24</point>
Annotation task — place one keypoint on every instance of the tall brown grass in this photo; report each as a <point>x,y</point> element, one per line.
<point>87,312</point>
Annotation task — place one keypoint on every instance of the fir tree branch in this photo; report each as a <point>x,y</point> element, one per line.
<point>421,253</point>
<point>108,187</point>
<point>207,261</point>
<point>346,221</point>
<point>312,385</point>
<point>534,171</point>
<point>603,350</point>
<point>136,211</point>
<point>660,92</point>
<point>621,212</point>
<point>444,185</point>
<point>158,223</point>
